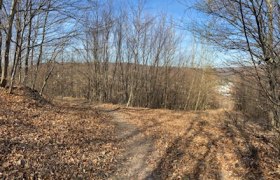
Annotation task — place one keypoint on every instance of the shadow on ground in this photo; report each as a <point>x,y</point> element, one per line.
<point>78,141</point>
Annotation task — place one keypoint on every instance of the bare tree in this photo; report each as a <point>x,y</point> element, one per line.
<point>46,15</point>
<point>251,27</point>
<point>125,55</point>
<point>131,58</point>
<point>8,43</point>
<point>31,15</point>
<point>1,36</point>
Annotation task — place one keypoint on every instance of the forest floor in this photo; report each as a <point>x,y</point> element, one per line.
<point>75,139</point>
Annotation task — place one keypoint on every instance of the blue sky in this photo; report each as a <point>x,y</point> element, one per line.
<point>182,14</point>
<point>178,9</point>
<point>174,8</point>
<point>171,7</point>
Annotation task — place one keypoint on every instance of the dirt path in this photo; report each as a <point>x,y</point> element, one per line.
<point>133,160</point>
<point>137,147</point>
<point>77,140</point>
<point>165,144</point>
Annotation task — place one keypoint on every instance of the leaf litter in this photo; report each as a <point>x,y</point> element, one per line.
<point>75,139</point>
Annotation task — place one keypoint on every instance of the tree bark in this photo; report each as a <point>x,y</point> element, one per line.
<point>41,47</point>
<point>46,80</point>
<point>28,43</point>
<point>4,80</point>
<point>1,38</point>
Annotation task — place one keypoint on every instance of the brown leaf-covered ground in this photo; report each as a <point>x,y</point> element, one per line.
<point>39,140</point>
<point>75,139</point>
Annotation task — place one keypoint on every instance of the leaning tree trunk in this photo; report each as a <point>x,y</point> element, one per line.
<point>46,79</point>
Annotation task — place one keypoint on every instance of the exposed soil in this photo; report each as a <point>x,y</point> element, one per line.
<point>75,139</point>
<point>136,149</point>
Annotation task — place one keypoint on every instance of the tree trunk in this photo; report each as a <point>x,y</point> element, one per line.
<point>46,80</point>
<point>130,97</point>
<point>41,48</point>
<point>17,56</point>
<point>4,81</point>
<point>1,2</point>
<point>28,44</point>
<point>274,113</point>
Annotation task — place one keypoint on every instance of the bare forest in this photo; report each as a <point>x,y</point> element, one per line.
<point>115,89</point>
